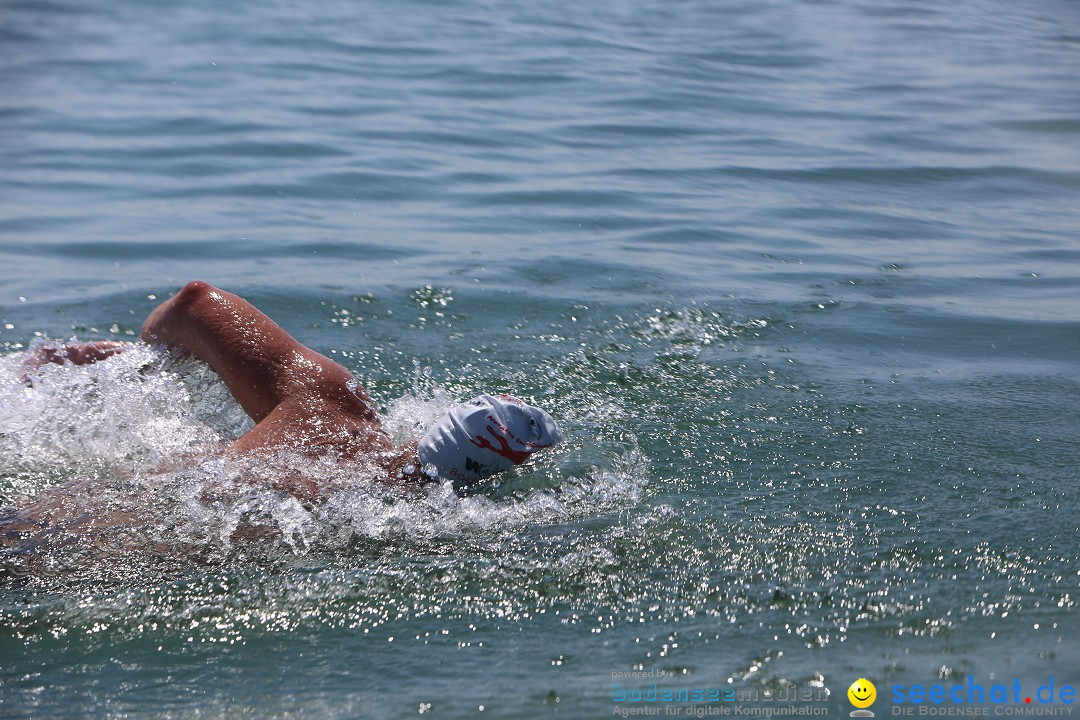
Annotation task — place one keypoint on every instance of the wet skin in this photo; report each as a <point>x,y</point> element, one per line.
<point>298,398</point>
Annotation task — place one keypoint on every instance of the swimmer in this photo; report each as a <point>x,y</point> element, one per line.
<point>301,400</point>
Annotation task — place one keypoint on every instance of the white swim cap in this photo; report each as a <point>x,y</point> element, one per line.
<point>484,436</point>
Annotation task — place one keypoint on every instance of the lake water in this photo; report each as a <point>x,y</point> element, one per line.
<point>800,281</point>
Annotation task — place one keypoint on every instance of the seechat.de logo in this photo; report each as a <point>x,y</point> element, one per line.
<point>862,695</point>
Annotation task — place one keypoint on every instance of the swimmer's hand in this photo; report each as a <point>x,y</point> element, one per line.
<point>77,353</point>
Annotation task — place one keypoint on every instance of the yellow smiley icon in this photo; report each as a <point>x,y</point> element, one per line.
<point>862,693</point>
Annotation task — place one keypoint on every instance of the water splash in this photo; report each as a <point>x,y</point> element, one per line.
<point>122,461</point>
<point>125,413</point>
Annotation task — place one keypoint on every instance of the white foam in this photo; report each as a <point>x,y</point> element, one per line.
<point>152,430</point>
<point>120,413</point>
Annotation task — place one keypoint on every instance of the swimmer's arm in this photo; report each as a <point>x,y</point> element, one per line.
<point>261,364</point>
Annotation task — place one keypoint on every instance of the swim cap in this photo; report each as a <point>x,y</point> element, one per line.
<point>484,436</point>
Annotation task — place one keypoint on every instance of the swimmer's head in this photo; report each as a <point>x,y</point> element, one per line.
<point>485,436</point>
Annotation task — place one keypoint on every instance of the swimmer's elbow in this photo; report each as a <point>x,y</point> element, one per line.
<point>168,320</point>
<point>193,292</point>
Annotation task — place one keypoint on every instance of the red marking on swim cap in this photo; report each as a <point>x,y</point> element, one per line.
<point>504,449</point>
<point>511,436</point>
